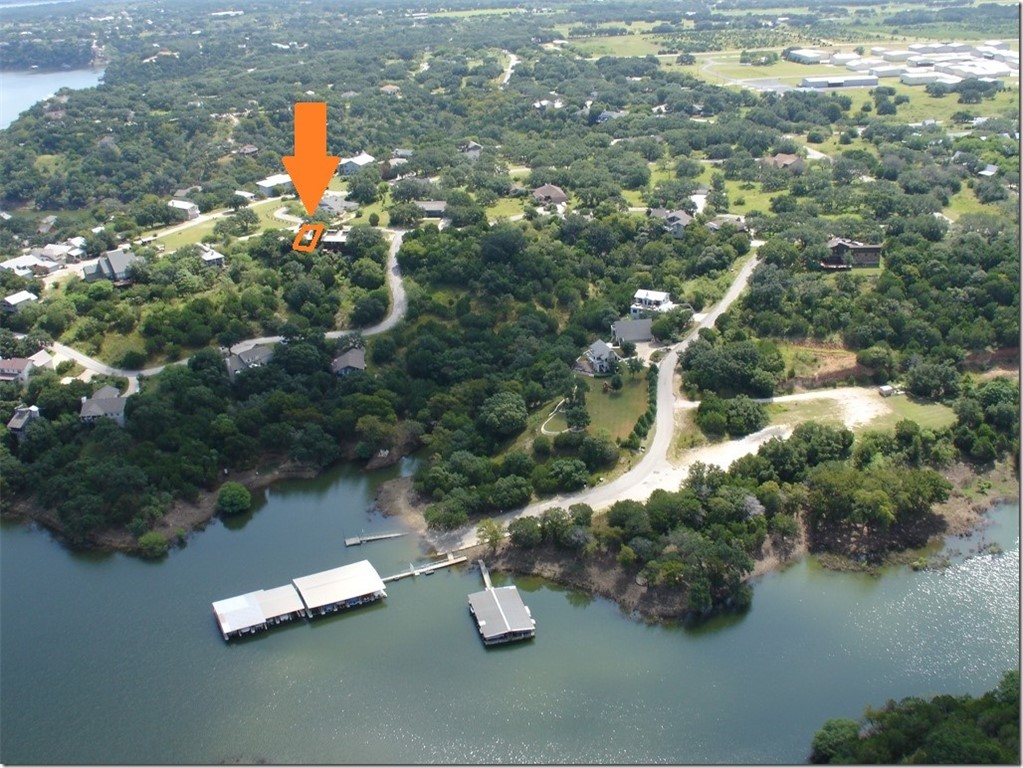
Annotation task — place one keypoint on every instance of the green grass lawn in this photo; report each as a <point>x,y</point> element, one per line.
<point>504,208</point>
<point>923,107</point>
<point>115,346</point>
<point>187,236</point>
<point>617,45</point>
<point>752,199</point>
<point>965,201</point>
<point>927,414</point>
<point>615,412</point>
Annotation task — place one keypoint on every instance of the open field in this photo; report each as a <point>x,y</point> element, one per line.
<point>965,201</point>
<point>616,412</point>
<point>927,414</point>
<point>617,45</point>
<point>504,208</point>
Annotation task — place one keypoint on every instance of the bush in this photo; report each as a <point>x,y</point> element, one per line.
<point>152,545</point>
<point>525,532</point>
<point>233,499</point>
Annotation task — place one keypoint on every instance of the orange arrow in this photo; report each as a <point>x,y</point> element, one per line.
<point>310,167</point>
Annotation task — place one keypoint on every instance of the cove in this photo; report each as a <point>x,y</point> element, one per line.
<point>106,658</point>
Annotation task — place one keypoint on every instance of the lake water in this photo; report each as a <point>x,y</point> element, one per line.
<point>20,90</point>
<point>109,659</point>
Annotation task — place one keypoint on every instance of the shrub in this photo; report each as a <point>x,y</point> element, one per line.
<point>233,499</point>
<point>152,545</point>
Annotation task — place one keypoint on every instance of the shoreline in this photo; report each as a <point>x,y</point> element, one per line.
<point>600,575</point>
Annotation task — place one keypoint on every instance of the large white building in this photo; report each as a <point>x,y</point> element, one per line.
<point>267,186</point>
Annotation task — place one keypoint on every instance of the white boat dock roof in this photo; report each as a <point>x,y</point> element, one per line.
<point>279,601</point>
<point>500,611</point>
<point>339,584</point>
<point>236,614</point>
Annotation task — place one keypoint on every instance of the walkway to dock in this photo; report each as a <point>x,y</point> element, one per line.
<point>354,541</point>
<point>425,570</point>
<point>486,574</point>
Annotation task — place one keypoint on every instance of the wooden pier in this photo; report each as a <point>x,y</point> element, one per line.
<point>354,541</point>
<point>426,570</point>
<point>486,575</point>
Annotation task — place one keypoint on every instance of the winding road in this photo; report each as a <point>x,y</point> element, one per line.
<point>654,470</point>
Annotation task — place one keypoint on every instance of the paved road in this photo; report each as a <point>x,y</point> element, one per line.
<point>653,470</point>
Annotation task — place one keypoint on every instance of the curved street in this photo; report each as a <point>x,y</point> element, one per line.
<point>654,469</point>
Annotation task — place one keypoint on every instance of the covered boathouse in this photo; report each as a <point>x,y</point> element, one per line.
<point>501,616</point>
<point>308,596</point>
<point>344,587</point>
<point>258,610</point>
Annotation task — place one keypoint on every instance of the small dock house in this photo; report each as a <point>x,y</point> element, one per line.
<point>500,614</point>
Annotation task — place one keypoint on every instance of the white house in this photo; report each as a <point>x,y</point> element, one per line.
<point>645,301</point>
<point>350,165</point>
<point>268,185</point>
<point>24,266</point>
<point>211,257</point>
<point>601,357</point>
<point>191,210</point>
<point>16,301</point>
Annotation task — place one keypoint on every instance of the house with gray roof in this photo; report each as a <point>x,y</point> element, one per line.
<point>23,416</point>
<point>351,361</point>
<point>105,403</point>
<point>250,358</point>
<point>112,265</point>
<point>15,369</point>
<point>432,209</point>
<point>631,330</point>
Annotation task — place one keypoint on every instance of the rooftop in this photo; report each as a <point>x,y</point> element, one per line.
<point>500,611</point>
<point>339,584</point>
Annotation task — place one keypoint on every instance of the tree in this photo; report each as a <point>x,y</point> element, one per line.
<point>503,414</point>
<point>362,186</point>
<point>577,417</point>
<point>490,532</point>
<point>834,739</point>
<point>525,532</point>
<point>153,545</point>
<point>233,499</point>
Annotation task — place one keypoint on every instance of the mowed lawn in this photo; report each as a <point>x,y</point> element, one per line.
<point>615,412</point>
<point>927,414</point>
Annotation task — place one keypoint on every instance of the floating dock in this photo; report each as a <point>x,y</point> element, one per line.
<point>355,541</point>
<point>501,616</point>
<point>306,597</point>
<point>426,570</point>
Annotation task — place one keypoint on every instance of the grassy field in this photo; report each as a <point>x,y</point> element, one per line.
<point>825,411</point>
<point>964,202</point>
<point>115,346</point>
<point>617,45</point>
<point>923,107</point>
<point>925,413</point>
<point>752,199</point>
<point>686,436</point>
<point>829,411</point>
<point>504,208</point>
<point>616,412</point>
